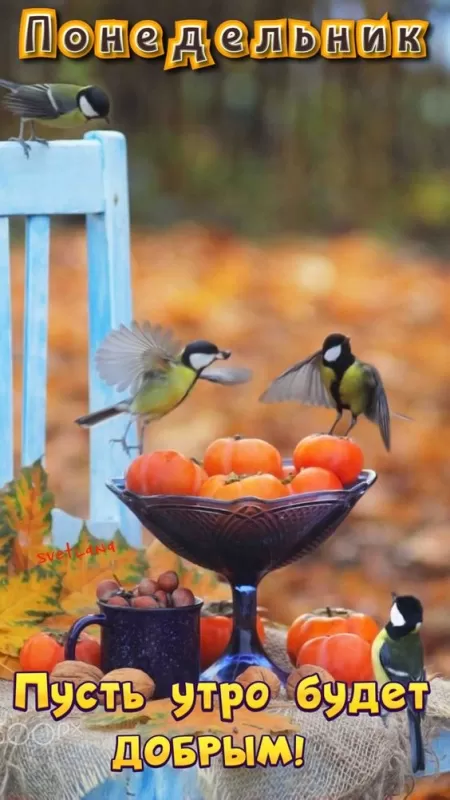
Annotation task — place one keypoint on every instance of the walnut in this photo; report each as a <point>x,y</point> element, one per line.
<point>76,672</point>
<point>140,681</point>
<point>305,671</point>
<point>253,674</point>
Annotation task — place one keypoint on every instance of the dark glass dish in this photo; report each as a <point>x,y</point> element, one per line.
<point>243,540</point>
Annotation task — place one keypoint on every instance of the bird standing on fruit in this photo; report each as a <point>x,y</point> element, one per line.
<point>159,373</point>
<point>333,377</point>
<point>397,656</point>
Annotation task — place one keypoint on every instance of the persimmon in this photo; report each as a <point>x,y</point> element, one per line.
<point>230,487</point>
<point>337,454</point>
<point>242,456</point>
<point>315,479</point>
<point>215,633</point>
<point>328,622</point>
<point>88,650</point>
<point>164,472</point>
<point>346,656</point>
<point>40,653</point>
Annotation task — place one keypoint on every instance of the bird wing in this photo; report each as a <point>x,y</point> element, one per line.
<point>302,382</point>
<point>378,409</point>
<point>226,376</point>
<point>33,101</point>
<point>403,661</point>
<point>127,355</point>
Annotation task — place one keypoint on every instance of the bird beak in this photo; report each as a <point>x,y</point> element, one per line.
<point>224,354</point>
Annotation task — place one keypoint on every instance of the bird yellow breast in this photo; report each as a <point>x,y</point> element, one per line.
<point>157,397</point>
<point>380,675</point>
<point>353,389</point>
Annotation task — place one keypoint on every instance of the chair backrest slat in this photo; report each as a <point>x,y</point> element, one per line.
<point>86,177</point>
<point>34,392</point>
<point>6,360</point>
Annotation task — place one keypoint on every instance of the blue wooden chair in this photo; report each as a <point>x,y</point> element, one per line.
<point>86,177</point>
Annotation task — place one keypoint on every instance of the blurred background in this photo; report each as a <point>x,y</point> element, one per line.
<point>273,203</point>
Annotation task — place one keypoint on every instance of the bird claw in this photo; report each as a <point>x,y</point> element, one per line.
<point>25,145</point>
<point>126,448</point>
<point>39,140</point>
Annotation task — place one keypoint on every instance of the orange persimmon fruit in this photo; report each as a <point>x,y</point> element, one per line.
<point>242,456</point>
<point>41,653</point>
<point>339,455</point>
<point>315,479</point>
<point>230,487</point>
<point>328,622</point>
<point>346,656</point>
<point>164,472</point>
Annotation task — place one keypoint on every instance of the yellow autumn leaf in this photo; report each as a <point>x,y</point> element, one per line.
<point>203,582</point>
<point>9,665</point>
<point>158,719</point>
<point>26,506</point>
<point>25,601</point>
<point>94,562</point>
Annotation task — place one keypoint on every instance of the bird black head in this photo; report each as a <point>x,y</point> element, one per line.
<point>93,102</point>
<point>336,347</point>
<point>200,354</point>
<point>406,616</point>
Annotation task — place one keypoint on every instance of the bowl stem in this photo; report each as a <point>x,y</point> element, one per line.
<point>245,649</point>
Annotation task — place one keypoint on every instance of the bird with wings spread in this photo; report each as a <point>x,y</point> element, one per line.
<point>157,372</point>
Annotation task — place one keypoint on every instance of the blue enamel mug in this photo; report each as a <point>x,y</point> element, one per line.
<point>162,642</point>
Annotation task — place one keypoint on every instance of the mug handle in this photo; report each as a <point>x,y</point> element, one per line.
<point>77,627</point>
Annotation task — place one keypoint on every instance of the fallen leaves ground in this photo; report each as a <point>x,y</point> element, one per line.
<point>272,304</point>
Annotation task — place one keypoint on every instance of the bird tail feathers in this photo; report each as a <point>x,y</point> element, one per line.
<point>416,741</point>
<point>89,420</point>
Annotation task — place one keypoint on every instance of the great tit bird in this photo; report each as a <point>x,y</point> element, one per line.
<point>58,105</point>
<point>397,655</point>
<point>158,372</point>
<point>334,378</point>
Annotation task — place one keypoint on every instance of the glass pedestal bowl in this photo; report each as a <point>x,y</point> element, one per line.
<point>243,540</point>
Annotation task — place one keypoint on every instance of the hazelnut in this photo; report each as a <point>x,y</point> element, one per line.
<point>162,598</point>
<point>146,587</point>
<point>143,601</point>
<point>168,581</point>
<point>183,597</point>
<point>106,589</point>
<point>117,600</point>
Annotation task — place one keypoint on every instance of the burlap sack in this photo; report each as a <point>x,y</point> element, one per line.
<point>347,759</point>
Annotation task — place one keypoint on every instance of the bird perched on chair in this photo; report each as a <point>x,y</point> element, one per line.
<point>158,372</point>
<point>57,105</point>
<point>334,378</point>
<point>397,655</point>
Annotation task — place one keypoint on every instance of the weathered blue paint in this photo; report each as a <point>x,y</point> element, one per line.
<point>110,304</point>
<point>35,335</point>
<point>150,784</point>
<point>6,360</point>
<point>69,177</point>
<point>64,178</point>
